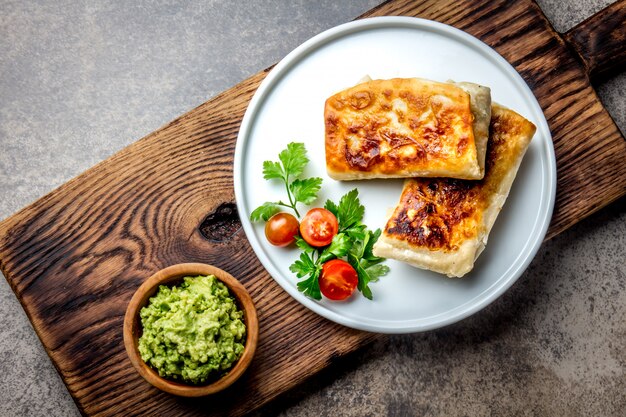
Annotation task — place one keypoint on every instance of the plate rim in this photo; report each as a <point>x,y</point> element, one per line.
<point>489,294</point>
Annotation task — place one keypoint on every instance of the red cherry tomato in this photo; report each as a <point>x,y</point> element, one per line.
<point>338,280</point>
<point>281,229</point>
<point>318,227</point>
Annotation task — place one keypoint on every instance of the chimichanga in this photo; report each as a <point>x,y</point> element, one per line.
<point>442,224</point>
<point>407,127</point>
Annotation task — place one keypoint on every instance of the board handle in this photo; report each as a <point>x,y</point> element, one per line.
<point>600,41</point>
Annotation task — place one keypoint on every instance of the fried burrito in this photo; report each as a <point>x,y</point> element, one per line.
<point>442,224</point>
<point>407,127</point>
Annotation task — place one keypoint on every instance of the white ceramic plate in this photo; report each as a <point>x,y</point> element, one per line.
<point>288,106</point>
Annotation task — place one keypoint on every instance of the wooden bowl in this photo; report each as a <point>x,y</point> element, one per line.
<point>173,275</point>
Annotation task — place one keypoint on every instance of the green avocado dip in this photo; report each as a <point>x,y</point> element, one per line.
<point>192,332</point>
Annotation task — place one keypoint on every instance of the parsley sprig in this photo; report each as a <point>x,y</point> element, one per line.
<point>292,162</point>
<point>354,241</point>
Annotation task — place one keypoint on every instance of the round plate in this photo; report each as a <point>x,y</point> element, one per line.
<point>289,106</point>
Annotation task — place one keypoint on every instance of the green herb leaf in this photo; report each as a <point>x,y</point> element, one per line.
<point>366,264</point>
<point>350,210</point>
<point>374,272</point>
<point>294,159</point>
<point>306,190</point>
<point>364,278</point>
<point>265,211</point>
<point>332,207</point>
<point>301,243</point>
<point>369,247</point>
<point>303,267</point>
<point>273,170</point>
<point>340,245</point>
<point>357,248</point>
<point>311,286</point>
<point>338,248</point>
<point>356,232</point>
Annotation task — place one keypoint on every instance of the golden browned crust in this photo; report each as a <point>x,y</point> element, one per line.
<point>443,224</point>
<point>402,128</point>
<point>432,211</point>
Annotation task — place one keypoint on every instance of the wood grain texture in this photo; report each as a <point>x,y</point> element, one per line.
<point>75,257</point>
<point>602,51</point>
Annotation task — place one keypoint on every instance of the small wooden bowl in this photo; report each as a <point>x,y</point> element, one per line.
<point>173,275</point>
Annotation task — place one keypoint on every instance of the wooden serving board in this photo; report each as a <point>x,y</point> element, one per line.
<point>75,257</point>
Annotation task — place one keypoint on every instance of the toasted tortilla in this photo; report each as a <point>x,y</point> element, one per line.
<point>407,127</point>
<point>443,224</point>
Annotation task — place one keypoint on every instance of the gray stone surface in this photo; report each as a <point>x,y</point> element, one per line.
<point>81,80</point>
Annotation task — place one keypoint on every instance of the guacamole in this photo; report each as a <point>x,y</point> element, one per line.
<point>192,332</point>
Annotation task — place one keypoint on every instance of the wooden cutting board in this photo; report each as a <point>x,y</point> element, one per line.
<point>75,257</point>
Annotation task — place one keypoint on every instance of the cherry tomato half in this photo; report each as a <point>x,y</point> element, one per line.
<point>281,229</point>
<point>338,280</point>
<point>318,227</point>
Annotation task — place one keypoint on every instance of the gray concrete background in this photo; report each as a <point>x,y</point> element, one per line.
<point>80,80</point>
